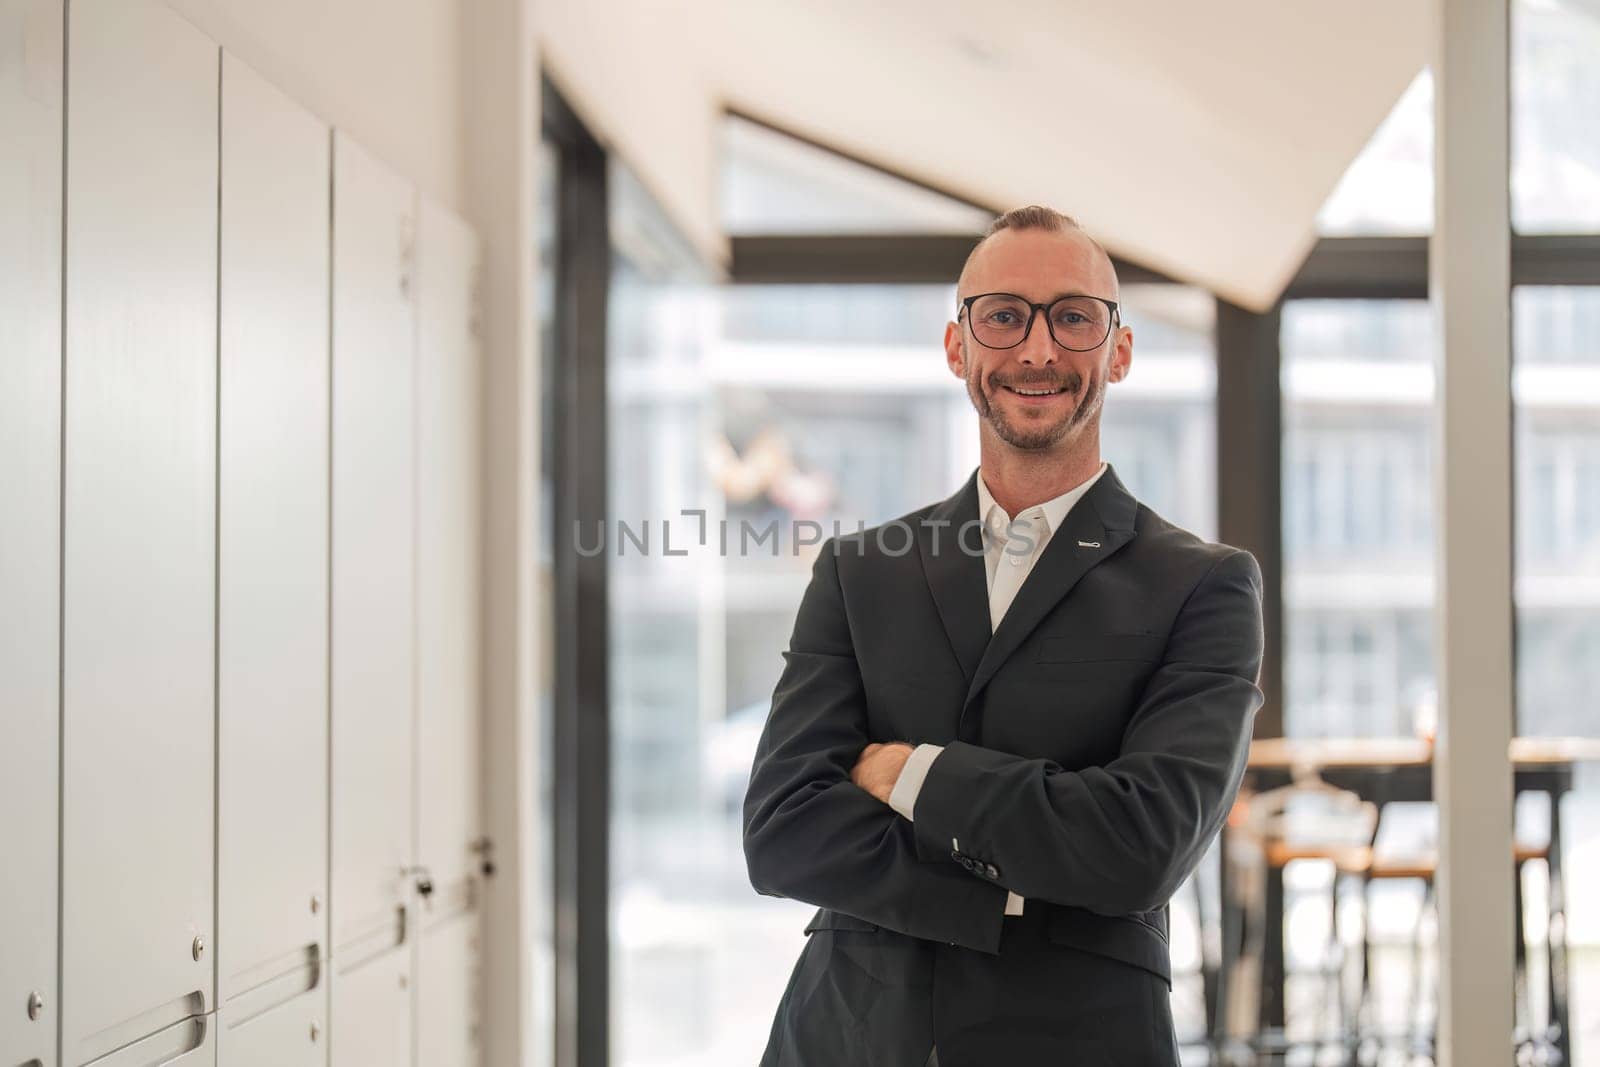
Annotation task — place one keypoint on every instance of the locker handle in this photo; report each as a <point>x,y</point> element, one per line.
<point>484,847</point>
<point>424,881</point>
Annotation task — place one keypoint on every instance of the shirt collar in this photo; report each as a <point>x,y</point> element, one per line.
<point>1055,509</point>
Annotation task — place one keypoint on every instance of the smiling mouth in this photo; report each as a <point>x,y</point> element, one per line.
<point>1034,391</point>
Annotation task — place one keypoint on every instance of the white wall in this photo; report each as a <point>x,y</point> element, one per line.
<point>501,122</point>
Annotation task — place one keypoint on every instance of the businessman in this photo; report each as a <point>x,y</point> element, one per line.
<point>1009,724</point>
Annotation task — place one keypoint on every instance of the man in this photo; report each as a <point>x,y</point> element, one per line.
<point>991,761</point>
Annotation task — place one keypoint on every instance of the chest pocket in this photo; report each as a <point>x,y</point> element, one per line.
<point>1074,694</point>
<point>1100,647</point>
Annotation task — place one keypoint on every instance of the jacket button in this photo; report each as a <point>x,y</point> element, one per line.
<point>992,871</point>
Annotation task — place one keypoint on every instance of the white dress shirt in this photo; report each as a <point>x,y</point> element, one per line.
<point>1012,546</point>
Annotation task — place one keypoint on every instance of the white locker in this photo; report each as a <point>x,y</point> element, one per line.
<point>448,706</point>
<point>272,601</point>
<point>139,581</point>
<point>448,428</point>
<point>289,1033</point>
<point>30,485</point>
<point>371,1013</point>
<point>373,556</point>
<point>448,987</point>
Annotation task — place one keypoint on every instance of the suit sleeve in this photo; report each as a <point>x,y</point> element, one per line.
<point>810,833</point>
<point>1120,838</point>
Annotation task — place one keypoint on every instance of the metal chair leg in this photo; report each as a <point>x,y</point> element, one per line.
<point>1522,1027</point>
<point>1423,1037</point>
<point>1347,1040</point>
<point>1365,1023</point>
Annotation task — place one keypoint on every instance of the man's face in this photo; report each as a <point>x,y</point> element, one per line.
<point>1038,265</point>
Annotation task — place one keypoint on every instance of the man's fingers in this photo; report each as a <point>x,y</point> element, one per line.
<point>858,772</point>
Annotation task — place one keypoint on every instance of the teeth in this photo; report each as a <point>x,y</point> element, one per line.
<point>1036,392</point>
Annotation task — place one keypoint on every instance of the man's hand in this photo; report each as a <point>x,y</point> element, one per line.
<point>878,767</point>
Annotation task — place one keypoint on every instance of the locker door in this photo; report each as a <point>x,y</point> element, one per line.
<point>292,1033</point>
<point>372,1014</point>
<point>448,713</point>
<point>30,485</point>
<point>272,625</point>
<point>139,620</point>
<point>448,987</point>
<point>448,427</point>
<point>373,557</point>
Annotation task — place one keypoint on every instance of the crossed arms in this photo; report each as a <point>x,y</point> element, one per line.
<point>1114,839</point>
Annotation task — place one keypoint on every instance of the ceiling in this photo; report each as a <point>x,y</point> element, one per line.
<point>1196,139</point>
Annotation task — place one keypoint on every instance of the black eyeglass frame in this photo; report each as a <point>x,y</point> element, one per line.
<point>1033,312</point>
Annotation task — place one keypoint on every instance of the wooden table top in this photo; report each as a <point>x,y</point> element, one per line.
<point>1540,751</point>
<point>1288,753</point>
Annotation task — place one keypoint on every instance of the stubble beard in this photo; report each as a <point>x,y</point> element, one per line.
<point>1034,437</point>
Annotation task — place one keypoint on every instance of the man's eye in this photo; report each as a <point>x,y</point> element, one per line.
<point>1071,318</point>
<point>1003,318</point>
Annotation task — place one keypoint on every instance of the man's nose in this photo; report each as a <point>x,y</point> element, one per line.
<point>1039,347</point>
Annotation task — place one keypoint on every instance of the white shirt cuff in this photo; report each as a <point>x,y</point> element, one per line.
<point>903,797</point>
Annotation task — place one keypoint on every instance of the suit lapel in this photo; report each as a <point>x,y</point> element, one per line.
<point>1096,527</point>
<point>956,577</point>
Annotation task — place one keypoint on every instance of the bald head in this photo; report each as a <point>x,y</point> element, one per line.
<point>1091,263</point>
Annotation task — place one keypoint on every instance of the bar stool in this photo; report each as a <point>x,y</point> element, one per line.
<point>1308,819</point>
<point>1350,862</point>
<point>1532,835</point>
<point>1406,847</point>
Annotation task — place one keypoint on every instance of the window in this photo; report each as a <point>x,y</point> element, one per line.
<point>1357,380</point>
<point>767,408</point>
<point>773,183</point>
<point>1556,388</point>
<point>547,222</point>
<point>1388,189</point>
<point>1555,123</point>
<point>1158,426</point>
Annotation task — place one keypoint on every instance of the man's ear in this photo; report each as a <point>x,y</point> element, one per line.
<point>955,349</point>
<point>1122,355</point>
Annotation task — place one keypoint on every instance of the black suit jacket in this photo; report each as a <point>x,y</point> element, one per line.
<point>1093,746</point>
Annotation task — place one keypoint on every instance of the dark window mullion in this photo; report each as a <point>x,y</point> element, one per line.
<point>581,730</point>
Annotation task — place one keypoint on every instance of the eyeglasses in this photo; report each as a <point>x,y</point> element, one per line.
<point>1078,323</point>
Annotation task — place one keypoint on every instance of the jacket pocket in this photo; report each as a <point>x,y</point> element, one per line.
<point>1150,920</point>
<point>1128,938</point>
